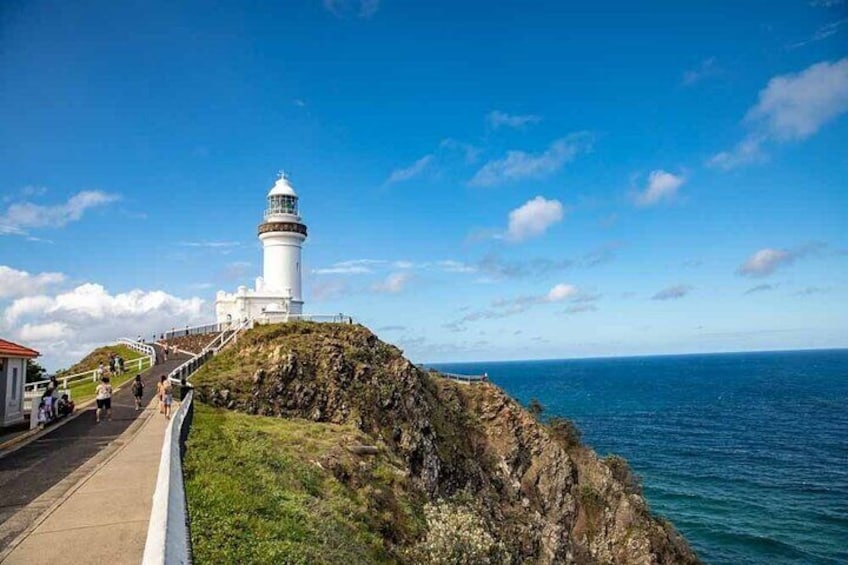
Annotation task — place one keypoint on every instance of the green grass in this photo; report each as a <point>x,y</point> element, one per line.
<point>85,389</point>
<point>261,490</point>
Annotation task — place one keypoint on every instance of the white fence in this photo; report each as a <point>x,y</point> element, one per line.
<point>36,389</point>
<point>465,379</point>
<point>168,540</point>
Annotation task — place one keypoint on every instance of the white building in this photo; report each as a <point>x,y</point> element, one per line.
<point>277,293</point>
<point>13,368</point>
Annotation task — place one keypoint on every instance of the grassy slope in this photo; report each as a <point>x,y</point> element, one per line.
<point>260,490</point>
<point>100,355</point>
<point>84,390</point>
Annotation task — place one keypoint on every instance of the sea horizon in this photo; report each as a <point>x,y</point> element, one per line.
<point>639,356</point>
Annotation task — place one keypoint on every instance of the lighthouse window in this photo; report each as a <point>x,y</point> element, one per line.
<point>282,204</point>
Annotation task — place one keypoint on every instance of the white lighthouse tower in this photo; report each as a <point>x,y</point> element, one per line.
<point>277,294</point>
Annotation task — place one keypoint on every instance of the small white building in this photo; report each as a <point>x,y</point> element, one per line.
<point>13,368</point>
<point>277,293</point>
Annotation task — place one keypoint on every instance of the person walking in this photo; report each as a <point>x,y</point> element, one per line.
<point>166,397</point>
<point>137,391</point>
<point>104,399</point>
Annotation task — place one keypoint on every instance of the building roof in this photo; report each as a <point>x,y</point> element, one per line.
<point>282,186</point>
<point>9,349</point>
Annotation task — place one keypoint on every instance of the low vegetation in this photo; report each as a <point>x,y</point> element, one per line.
<point>99,355</point>
<point>265,490</point>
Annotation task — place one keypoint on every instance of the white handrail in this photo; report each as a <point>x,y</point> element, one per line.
<point>168,540</point>
<point>139,347</point>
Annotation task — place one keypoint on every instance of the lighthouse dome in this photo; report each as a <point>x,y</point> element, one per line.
<point>282,187</point>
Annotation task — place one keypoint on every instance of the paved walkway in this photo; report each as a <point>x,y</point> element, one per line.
<point>34,477</point>
<point>103,518</point>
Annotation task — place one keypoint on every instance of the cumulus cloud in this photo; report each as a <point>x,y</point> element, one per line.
<point>69,324</point>
<point>21,216</point>
<point>393,284</point>
<point>518,165</point>
<point>661,186</point>
<point>533,218</point>
<point>20,283</point>
<point>766,261</point>
<point>497,119</point>
<point>792,107</point>
<point>707,68</point>
<point>410,172</point>
<point>672,292</point>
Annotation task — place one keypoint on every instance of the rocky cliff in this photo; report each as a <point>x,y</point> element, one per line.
<point>467,460</point>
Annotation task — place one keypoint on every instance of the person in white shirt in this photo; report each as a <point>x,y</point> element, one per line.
<point>104,399</point>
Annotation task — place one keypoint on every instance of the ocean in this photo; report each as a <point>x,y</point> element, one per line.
<point>746,453</point>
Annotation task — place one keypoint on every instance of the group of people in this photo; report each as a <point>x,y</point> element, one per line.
<point>116,367</point>
<point>51,407</point>
<point>104,392</point>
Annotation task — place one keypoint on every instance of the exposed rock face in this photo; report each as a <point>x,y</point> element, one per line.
<point>545,499</point>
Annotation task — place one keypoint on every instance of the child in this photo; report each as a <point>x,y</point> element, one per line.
<point>66,406</point>
<point>138,391</point>
<point>42,414</point>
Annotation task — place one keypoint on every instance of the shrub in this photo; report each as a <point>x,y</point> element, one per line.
<point>565,430</point>
<point>456,535</point>
<point>535,408</point>
<point>622,473</point>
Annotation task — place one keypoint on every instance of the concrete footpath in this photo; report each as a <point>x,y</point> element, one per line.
<point>103,518</point>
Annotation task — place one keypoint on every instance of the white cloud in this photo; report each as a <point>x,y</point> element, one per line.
<point>533,218</point>
<point>791,107</point>
<point>826,3</point>
<point>47,331</point>
<point>672,292</point>
<point>561,292</point>
<point>350,267</point>
<point>393,283</point>
<point>823,32</point>
<point>411,171</point>
<point>518,165</point>
<point>20,283</point>
<point>497,119</point>
<point>746,151</point>
<point>662,185</point>
<point>23,215</point>
<point>67,325</point>
<point>706,69</point>
<point>765,262</point>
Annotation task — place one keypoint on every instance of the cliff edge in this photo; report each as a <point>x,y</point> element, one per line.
<point>451,472</point>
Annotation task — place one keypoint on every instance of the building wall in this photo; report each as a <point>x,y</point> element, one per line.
<point>12,380</point>
<point>282,263</point>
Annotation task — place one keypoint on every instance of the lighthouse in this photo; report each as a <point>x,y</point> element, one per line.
<point>282,235</point>
<point>277,293</point>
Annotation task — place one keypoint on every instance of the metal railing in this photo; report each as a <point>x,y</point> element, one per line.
<point>465,379</point>
<point>194,330</point>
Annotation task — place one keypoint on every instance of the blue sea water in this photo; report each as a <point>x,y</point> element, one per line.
<point>746,453</point>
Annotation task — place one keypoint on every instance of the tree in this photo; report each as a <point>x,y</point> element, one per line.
<point>35,372</point>
<point>535,408</point>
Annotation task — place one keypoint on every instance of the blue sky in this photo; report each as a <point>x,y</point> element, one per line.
<point>480,180</point>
